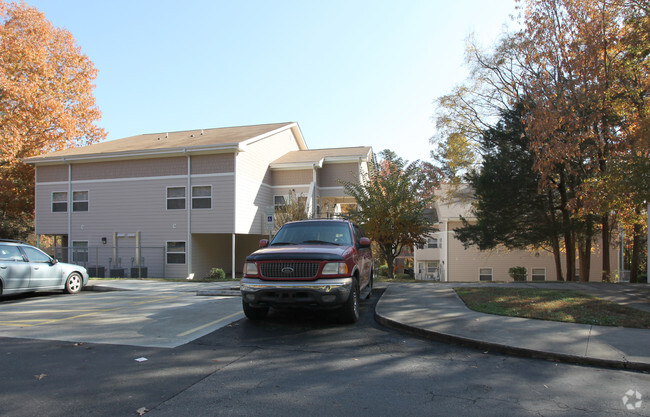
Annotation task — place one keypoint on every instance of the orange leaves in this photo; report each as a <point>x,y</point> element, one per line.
<point>46,92</point>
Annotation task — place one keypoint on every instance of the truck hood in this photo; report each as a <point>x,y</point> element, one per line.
<point>301,252</point>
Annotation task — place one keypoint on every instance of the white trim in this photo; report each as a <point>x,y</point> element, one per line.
<point>52,202</point>
<point>289,186</point>
<point>491,273</point>
<point>162,177</point>
<point>532,273</point>
<point>81,201</point>
<point>204,197</point>
<point>167,253</point>
<point>175,198</point>
<point>338,187</point>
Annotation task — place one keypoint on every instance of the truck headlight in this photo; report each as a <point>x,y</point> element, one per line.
<point>250,268</point>
<point>335,268</point>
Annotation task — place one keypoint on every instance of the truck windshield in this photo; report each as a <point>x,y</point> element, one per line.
<point>323,233</point>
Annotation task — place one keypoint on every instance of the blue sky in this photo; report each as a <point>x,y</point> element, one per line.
<point>350,72</point>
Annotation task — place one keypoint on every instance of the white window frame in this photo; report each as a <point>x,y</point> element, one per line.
<point>184,252</point>
<point>482,273</point>
<point>168,198</point>
<point>434,243</point>
<point>533,274</point>
<point>87,200</point>
<point>279,206</point>
<point>209,198</point>
<point>76,251</point>
<point>59,202</point>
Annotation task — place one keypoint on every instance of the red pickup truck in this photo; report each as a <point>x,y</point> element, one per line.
<point>318,264</point>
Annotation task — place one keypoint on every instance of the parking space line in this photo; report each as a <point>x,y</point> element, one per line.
<point>196,329</point>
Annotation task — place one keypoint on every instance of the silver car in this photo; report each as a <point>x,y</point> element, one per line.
<point>24,268</point>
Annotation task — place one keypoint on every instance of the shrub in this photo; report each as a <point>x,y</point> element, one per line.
<point>383,271</point>
<point>217,273</point>
<point>403,276</point>
<point>518,273</point>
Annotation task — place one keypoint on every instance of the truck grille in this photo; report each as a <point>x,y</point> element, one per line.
<point>289,270</point>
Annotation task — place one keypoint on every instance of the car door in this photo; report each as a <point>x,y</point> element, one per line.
<point>14,271</point>
<point>45,272</point>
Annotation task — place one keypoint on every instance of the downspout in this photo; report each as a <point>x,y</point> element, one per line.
<point>314,196</point>
<point>189,215</point>
<point>69,244</point>
<point>234,216</point>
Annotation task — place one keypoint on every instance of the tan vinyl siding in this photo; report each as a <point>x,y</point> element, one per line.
<point>221,217</point>
<point>293,177</point>
<point>464,264</point>
<point>135,168</point>
<point>52,173</point>
<point>252,196</point>
<point>331,175</point>
<point>213,164</point>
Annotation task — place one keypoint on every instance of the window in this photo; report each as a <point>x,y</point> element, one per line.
<point>80,252</point>
<point>176,252</point>
<point>485,274</point>
<point>279,201</point>
<point>35,255</point>
<point>59,201</point>
<point>175,198</point>
<point>202,197</point>
<point>80,201</point>
<point>434,243</point>
<point>539,274</point>
<point>10,253</point>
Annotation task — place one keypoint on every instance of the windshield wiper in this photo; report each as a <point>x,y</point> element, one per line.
<point>322,242</point>
<point>283,243</point>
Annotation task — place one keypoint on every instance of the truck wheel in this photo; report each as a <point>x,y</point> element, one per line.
<point>350,310</point>
<point>254,313</point>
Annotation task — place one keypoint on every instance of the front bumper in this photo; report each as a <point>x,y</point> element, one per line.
<point>322,293</point>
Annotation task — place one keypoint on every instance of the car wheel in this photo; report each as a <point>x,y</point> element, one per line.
<point>74,283</point>
<point>254,313</point>
<point>350,310</point>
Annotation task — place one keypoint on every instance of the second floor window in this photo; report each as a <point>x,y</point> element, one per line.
<point>80,201</point>
<point>202,197</point>
<point>59,202</point>
<point>176,198</point>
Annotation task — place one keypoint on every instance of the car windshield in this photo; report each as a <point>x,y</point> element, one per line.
<point>318,233</point>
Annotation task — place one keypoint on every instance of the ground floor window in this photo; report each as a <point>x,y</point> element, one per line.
<point>485,274</point>
<point>538,274</point>
<point>80,252</point>
<point>176,252</point>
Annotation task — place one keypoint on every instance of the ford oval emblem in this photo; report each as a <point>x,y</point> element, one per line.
<point>287,270</point>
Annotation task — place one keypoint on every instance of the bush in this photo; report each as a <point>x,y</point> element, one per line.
<point>383,271</point>
<point>518,273</point>
<point>217,273</point>
<point>403,276</point>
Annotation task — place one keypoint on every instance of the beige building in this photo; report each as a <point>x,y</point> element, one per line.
<point>178,204</point>
<point>444,257</point>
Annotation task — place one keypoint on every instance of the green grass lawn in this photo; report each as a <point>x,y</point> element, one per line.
<point>557,305</point>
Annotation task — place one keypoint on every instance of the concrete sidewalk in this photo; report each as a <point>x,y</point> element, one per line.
<point>435,311</point>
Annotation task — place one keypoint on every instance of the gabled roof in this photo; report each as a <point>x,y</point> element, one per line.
<point>453,201</point>
<point>311,157</point>
<point>202,140</point>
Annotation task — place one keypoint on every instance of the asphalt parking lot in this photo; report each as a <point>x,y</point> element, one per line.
<point>158,315</point>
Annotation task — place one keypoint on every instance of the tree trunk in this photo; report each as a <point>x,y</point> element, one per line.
<point>584,251</point>
<point>605,244</point>
<point>555,244</point>
<point>636,252</point>
<point>569,242</point>
<point>390,261</point>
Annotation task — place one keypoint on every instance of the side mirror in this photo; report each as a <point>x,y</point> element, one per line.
<point>364,242</point>
<point>54,261</point>
<point>264,243</point>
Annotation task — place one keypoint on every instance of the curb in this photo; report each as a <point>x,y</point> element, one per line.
<point>225,293</point>
<point>509,350</point>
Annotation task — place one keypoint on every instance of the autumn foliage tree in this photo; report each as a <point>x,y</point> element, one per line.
<point>392,202</point>
<point>46,104</point>
<point>580,70</point>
